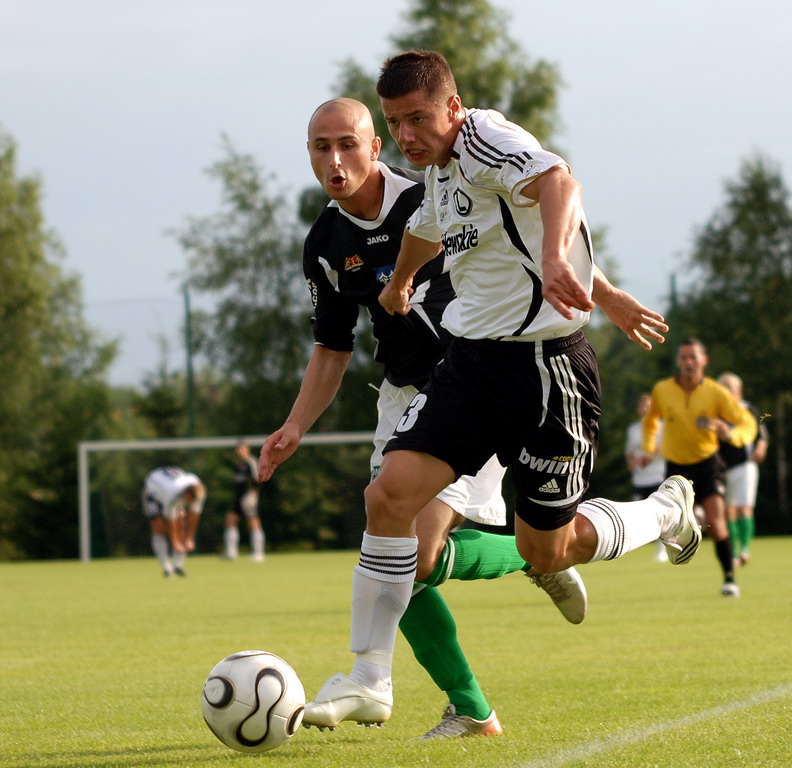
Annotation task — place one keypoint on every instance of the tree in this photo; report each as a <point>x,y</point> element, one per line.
<point>247,257</point>
<point>52,372</point>
<point>739,299</point>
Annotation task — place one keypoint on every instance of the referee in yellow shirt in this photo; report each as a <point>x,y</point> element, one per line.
<point>695,410</point>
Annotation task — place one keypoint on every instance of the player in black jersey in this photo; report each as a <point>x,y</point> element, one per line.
<point>349,255</point>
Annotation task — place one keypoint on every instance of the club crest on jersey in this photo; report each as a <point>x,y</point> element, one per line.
<point>352,262</point>
<point>462,203</point>
<point>384,274</point>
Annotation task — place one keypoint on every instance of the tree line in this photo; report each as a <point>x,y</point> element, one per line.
<point>251,347</point>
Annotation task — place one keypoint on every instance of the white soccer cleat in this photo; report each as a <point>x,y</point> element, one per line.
<point>730,589</point>
<point>453,725</point>
<point>566,590</point>
<point>341,698</point>
<point>683,541</point>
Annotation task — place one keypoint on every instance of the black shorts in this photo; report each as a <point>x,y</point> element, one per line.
<point>708,476</point>
<point>534,404</point>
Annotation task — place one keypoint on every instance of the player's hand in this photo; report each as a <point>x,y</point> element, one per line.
<point>562,289</point>
<point>721,428</point>
<point>642,325</point>
<point>395,300</point>
<point>645,459</point>
<point>276,449</point>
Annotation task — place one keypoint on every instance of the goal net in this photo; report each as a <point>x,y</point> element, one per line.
<point>314,500</point>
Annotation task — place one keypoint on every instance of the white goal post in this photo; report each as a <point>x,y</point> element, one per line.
<point>86,447</point>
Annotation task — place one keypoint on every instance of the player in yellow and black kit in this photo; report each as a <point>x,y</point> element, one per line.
<point>693,408</point>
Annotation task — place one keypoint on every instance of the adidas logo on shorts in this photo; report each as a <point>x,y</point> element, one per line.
<point>551,486</point>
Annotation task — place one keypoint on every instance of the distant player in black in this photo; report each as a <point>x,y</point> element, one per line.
<point>246,498</point>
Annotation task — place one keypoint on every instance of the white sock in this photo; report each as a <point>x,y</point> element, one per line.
<point>624,526</point>
<point>159,544</point>
<point>257,541</point>
<point>382,584</point>
<point>178,559</point>
<point>231,540</point>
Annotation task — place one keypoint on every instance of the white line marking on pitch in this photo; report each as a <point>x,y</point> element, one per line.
<point>639,734</point>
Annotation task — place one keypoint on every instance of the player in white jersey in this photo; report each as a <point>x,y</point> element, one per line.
<point>348,255</point>
<point>173,501</point>
<point>646,471</point>
<point>524,385</point>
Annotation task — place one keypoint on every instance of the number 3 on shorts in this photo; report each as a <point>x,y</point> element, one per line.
<point>411,414</point>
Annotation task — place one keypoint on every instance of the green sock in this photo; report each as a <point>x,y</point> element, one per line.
<point>747,531</point>
<point>734,534</point>
<point>430,629</point>
<point>470,555</point>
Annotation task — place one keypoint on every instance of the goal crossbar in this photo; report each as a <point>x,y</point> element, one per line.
<point>86,447</point>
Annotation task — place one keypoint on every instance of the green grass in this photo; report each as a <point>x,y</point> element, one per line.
<point>102,664</point>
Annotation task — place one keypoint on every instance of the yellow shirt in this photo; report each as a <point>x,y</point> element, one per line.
<point>687,438</point>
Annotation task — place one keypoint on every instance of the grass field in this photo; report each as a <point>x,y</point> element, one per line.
<point>102,664</point>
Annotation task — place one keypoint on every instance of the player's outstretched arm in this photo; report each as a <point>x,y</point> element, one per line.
<point>321,380</point>
<point>560,204</point>
<point>627,313</point>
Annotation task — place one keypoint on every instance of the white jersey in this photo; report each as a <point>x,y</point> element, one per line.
<point>163,488</point>
<point>492,235</point>
<point>655,471</point>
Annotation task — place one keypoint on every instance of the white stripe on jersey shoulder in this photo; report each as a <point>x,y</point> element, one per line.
<point>488,143</point>
<point>332,275</point>
<point>395,184</point>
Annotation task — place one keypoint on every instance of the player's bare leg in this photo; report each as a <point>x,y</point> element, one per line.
<point>381,589</point>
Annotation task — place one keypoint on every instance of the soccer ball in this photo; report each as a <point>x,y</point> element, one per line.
<point>253,701</point>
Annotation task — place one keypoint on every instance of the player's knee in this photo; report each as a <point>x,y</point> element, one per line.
<point>383,503</point>
<point>543,560</point>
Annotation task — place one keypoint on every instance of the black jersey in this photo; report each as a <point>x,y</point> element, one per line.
<point>733,455</point>
<point>347,261</point>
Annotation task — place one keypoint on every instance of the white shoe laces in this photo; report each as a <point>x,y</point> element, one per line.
<point>550,584</point>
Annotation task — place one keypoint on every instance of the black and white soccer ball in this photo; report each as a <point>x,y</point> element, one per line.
<point>253,701</point>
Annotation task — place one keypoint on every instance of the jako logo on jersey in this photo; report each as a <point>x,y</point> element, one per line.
<point>462,203</point>
<point>384,274</point>
<point>377,239</point>
<point>352,262</point>
<point>558,465</point>
<point>462,241</point>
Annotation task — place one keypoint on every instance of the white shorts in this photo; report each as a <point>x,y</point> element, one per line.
<point>742,481</point>
<point>478,498</point>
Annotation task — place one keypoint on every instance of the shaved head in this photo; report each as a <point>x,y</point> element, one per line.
<point>356,113</point>
<point>344,151</point>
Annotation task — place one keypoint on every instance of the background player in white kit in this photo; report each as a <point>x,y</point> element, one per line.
<point>173,501</point>
<point>646,471</point>
<point>519,380</point>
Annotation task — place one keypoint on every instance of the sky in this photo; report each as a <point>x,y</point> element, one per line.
<point>119,107</point>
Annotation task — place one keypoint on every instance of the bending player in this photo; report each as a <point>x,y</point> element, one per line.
<point>173,501</point>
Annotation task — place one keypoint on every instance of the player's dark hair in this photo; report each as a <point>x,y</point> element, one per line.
<point>690,341</point>
<point>411,71</point>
